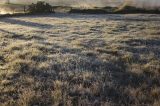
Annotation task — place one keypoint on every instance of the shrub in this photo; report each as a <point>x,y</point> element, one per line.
<point>40,7</point>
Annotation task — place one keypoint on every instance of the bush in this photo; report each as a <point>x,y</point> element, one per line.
<point>40,7</point>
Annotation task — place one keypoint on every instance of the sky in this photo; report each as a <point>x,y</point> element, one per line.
<point>139,3</point>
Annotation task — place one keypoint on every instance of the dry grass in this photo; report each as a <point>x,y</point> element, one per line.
<point>78,60</point>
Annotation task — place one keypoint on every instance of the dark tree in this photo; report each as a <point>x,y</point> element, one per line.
<point>8,1</point>
<point>40,7</point>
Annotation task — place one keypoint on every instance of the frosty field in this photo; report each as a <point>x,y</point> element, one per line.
<point>80,60</point>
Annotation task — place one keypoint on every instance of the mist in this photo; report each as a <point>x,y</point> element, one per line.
<point>95,3</point>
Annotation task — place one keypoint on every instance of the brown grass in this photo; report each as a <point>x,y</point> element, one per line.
<point>79,60</point>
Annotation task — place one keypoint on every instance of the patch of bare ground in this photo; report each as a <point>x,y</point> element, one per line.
<point>87,60</point>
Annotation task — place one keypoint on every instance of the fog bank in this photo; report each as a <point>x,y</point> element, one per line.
<point>94,3</point>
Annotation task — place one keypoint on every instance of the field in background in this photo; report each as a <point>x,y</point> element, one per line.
<point>122,9</point>
<point>71,60</point>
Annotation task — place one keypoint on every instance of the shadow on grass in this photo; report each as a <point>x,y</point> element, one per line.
<point>25,23</point>
<point>113,82</point>
<point>142,46</point>
<point>17,36</point>
<point>143,42</point>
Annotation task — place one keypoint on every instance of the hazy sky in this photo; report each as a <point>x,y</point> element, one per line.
<point>150,3</point>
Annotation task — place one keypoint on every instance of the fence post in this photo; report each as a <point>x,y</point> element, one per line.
<point>24,8</point>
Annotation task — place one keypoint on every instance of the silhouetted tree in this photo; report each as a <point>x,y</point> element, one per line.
<point>40,7</point>
<point>8,1</point>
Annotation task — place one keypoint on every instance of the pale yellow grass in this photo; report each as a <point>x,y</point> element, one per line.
<point>73,60</point>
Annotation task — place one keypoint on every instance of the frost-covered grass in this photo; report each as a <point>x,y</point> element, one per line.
<point>73,60</point>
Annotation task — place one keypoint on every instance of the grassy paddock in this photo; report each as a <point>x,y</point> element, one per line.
<point>73,60</point>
